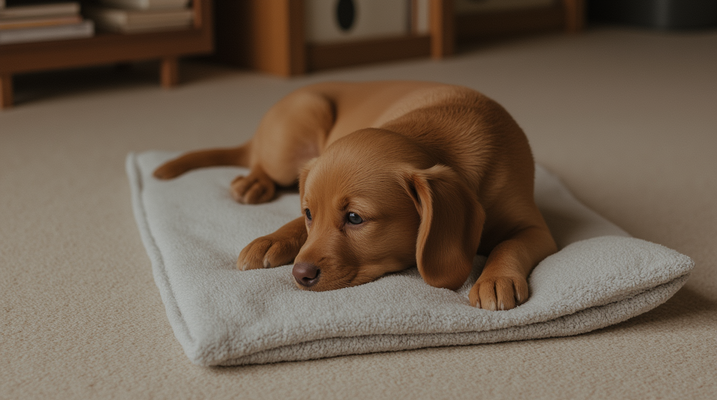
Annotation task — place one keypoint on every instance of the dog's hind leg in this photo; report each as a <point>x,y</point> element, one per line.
<point>255,188</point>
<point>291,133</point>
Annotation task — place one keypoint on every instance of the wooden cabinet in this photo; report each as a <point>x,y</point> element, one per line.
<point>269,35</point>
<point>108,48</point>
<point>567,15</point>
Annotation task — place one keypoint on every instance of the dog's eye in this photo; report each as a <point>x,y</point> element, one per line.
<point>308,214</point>
<point>354,218</point>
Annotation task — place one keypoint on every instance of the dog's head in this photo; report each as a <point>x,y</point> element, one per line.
<point>375,203</point>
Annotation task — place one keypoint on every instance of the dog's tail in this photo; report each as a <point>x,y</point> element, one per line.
<point>236,156</point>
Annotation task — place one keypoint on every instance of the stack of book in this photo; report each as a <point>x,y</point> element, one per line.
<point>39,20</point>
<point>132,16</point>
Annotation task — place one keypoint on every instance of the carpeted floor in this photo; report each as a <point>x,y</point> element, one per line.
<point>626,118</point>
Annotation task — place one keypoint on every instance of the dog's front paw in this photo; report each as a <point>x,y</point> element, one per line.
<point>499,293</point>
<point>267,252</point>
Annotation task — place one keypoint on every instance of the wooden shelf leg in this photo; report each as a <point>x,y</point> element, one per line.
<point>442,27</point>
<point>574,15</point>
<point>5,91</point>
<point>169,72</point>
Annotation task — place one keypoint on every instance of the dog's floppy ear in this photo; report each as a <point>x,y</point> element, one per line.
<point>451,225</point>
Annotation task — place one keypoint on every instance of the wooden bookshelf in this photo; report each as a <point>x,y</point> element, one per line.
<point>109,48</point>
<point>268,35</point>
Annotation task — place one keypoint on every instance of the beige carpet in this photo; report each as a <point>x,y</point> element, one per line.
<point>626,118</point>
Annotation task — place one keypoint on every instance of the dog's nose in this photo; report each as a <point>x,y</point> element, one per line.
<point>306,274</point>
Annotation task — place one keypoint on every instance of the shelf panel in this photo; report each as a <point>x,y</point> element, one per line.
<point>514,22</point>
<point>325,56</point>
<point>102,49</point>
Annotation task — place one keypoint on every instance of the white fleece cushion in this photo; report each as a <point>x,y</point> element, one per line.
<point>193,232</point>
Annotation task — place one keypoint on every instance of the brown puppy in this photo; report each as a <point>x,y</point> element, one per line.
<point>392,175</point>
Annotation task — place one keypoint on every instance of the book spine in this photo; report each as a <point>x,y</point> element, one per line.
<point>38,22</point>
<point>74,31</point>
<point>39,10</point>
<point>146,4</point>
